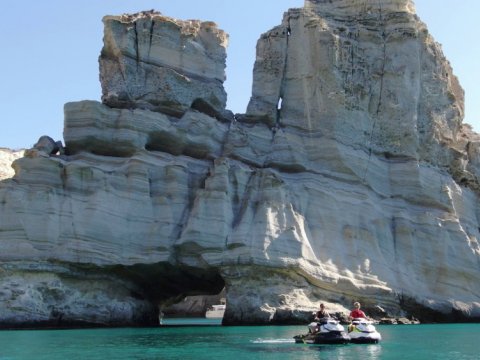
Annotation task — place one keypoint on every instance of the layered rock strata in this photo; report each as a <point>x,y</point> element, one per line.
<point>154,62</point>
<point>350,177</point>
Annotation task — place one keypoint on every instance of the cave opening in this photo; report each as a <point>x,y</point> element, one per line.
<point>197,308</point>
<point>175,291</point>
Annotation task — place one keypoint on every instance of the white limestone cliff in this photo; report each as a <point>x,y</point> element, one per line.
<point>352,7</point>
<point>7,156</point>
<point>350,177</point>
<point>154,62</point>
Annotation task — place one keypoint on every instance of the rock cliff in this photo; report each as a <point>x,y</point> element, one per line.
<point>350,177</point>
<point>7,156</point>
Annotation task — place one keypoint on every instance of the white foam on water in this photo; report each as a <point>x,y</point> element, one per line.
<point>273,341</point>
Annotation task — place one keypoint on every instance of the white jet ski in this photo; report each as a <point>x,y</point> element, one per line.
<point>362,331</point>
<point>325,331</point>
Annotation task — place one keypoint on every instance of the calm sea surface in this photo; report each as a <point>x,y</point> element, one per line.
<point>439,342</point>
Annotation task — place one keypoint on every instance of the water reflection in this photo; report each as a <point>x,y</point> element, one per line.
<point>349,351</point>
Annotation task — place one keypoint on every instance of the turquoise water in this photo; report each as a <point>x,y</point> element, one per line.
<point>439,342</point>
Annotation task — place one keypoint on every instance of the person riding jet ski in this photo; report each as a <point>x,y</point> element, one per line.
<point>357,313</point>
<point>323,330</point>
<point>361,330</point>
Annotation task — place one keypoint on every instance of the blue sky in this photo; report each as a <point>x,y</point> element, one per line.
<point>50,52</point>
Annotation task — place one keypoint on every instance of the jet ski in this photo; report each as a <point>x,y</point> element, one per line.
<point>362,331</point>
<point>325,331</point>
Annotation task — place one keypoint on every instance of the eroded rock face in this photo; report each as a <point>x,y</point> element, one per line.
<point>359,77</point>
<point>7,156</point>
<point>153,62</point>
<point>54,295</point>
<point>350,177</point>
<point>353,7</point>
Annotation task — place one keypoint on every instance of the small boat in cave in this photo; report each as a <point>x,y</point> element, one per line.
<point>216,311</point>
